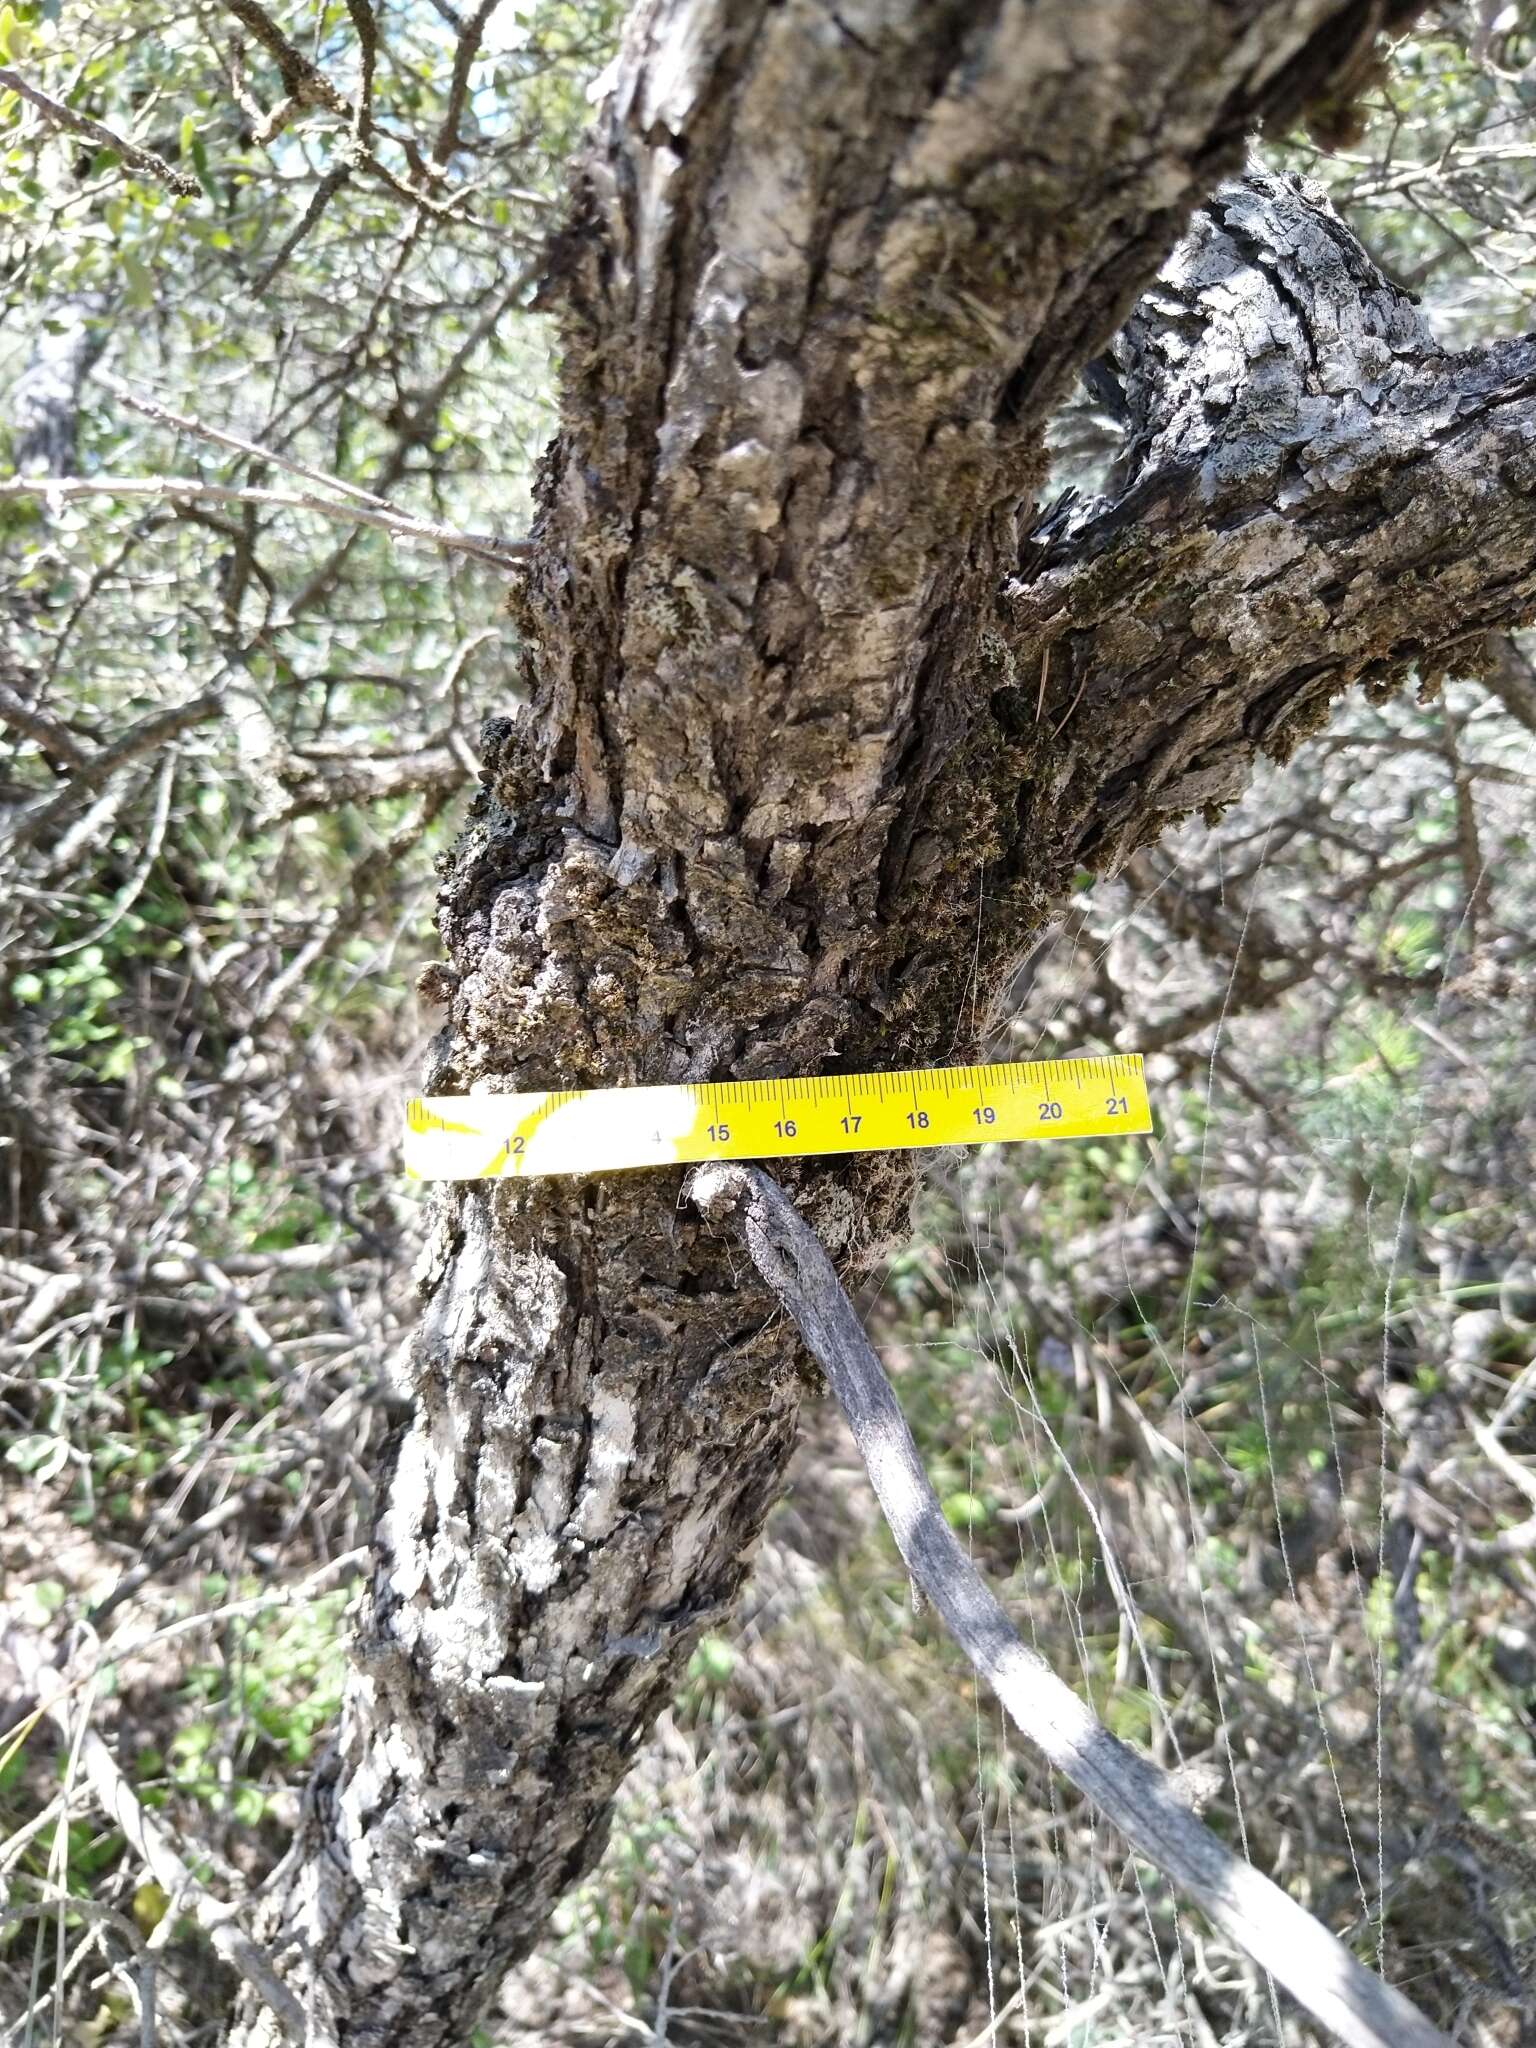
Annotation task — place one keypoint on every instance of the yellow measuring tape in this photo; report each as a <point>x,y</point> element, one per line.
<point>596,1130</point>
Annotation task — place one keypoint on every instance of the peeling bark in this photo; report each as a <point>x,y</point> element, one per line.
<point>794,681</point>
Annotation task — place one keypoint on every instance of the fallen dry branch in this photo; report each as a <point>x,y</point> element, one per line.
<point>1132,1793</point>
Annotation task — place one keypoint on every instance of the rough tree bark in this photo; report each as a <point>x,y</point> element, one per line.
<point>797,688</point>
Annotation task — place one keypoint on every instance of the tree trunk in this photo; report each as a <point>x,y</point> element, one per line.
<point>45,399</point>
<point>814,745</point>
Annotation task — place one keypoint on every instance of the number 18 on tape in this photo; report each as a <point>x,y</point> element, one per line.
<point>601,1130</point>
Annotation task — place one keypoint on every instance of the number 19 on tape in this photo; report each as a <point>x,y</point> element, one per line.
<point>602,1130</point>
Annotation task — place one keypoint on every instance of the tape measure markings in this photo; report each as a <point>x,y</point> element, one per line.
<point>600,1130</point>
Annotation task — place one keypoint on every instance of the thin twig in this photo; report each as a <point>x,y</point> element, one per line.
<point>133,888</point>
<point>183,423</point>
<point>153,730</point>
<point>178,489</point>
<point>136,158</point>
<point>346,1565</point>
<point>465,51</point>
<point>230,1509</point>
<point>320,199</point>
<point>1131,1792</point>
<point>148,1839</point>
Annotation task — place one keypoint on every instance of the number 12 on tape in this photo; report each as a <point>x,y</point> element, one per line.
<point>601,1130</point>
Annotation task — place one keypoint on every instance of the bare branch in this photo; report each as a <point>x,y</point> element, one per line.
<point>183,489</point>
<point>320,199</point>
<point>417,426</point>
<point>1131,1792</point>
<point>368,45</point>
<point>185,186</point>
<point>49,732</point>
<point>183,424</point>
<point>463,57</point>
<point>143,868</point>
<point>316,784</point>
<point>1511,679</point>
<point>190,1534</point>
<point>149,1840</point>
<point>146,733</point>
<point>306,85</point>
<point>302,81</point>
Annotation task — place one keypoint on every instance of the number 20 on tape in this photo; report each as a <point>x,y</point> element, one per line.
<point>601,1130</point>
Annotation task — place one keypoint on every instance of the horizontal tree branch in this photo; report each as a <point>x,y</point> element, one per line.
<point>1314,495</point>
<point>181,423</point>
<point>1131,1792</point>
<point>313,785</point>
<point>54,490</point>
<point>1408,743</point>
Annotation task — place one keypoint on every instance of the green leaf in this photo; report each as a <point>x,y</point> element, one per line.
<point>247,1804</point>
<point>151,1903</point>
<point>39,1602</point>
<point>41,1455</point>
<point>714,1660</point>
<point>141,286</point>
<point>204,176</point>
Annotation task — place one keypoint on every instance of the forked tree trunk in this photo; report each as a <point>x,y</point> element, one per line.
<point>814,746</point>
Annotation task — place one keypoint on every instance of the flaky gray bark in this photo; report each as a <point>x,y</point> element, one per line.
<point>795,683</point>
<point>1313,495</point>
